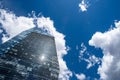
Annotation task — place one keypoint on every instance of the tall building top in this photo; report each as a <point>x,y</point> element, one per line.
<point>31,55</point>
<point>21,36</point>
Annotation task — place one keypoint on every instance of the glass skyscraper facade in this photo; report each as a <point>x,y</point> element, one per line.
<point>31,55</point>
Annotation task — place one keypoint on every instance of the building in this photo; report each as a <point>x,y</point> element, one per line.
<point>31,55</point>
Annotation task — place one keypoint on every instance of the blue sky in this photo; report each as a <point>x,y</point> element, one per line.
<point>78,26</point>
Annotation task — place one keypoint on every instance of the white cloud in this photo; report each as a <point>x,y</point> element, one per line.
<point>109,42</point>
<point>14,25</point>
<point>83,49</point>
<point>91,60</point>
<point>81,76</point>
<point>83,5</point>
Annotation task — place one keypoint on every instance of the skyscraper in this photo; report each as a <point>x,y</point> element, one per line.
<point>31,55</point>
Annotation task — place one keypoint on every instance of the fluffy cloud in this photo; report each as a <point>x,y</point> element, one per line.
<point>14,25</point>
<point>109,42</point>
<point>81,76</point>
<point>83,5</point>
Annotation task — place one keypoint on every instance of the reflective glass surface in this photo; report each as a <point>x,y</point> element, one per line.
<point>29,56</point>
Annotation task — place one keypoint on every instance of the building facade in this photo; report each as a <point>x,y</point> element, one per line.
<point>31,55</point>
